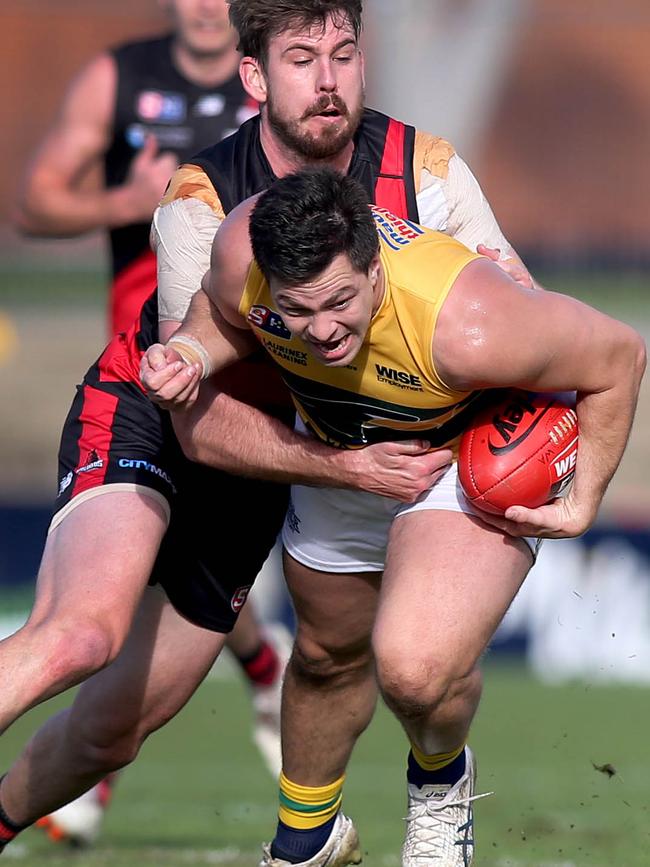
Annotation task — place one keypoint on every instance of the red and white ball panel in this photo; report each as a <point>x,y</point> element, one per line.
<point>520,451</point>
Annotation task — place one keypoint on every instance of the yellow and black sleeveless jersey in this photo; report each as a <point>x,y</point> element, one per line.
<point>391,390</point>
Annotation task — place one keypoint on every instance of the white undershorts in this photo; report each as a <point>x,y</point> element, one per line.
<point>335,530</point>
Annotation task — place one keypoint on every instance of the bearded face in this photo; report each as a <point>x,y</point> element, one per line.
<point>322,131</point>
<point>314,88</point>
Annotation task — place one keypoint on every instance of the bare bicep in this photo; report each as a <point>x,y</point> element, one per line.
<point>492,332</point>
<point>82,129</point>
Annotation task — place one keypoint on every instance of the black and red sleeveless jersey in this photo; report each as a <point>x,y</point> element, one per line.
<point>382,162</point>
<point>237,168</point>
<point>153,97</point>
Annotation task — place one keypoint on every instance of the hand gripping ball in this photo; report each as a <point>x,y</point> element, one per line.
<point>519,451</point>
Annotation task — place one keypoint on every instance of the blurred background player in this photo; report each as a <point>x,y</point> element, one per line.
<point>128,119</point>
<point>134,113</point>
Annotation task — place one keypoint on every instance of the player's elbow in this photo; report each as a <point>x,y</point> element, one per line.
<point>640,356</point>
<point>184,428</point>
<point>194,438</point>
<point>41,208</point>
<point>192,448</point>
<point>23,220</point>
<point>28,216</point>
<point>629,360</point>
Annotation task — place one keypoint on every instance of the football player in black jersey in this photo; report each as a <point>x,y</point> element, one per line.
<point>135,112</point>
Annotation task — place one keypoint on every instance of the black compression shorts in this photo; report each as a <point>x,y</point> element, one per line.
<point>221,527</point>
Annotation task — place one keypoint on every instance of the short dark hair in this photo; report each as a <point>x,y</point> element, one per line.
<point>258,21</point>
<point>302,222</point>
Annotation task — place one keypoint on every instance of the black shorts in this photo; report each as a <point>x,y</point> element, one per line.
<point>221,527</point>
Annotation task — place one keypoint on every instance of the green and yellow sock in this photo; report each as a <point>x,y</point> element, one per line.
<point>305,819</point>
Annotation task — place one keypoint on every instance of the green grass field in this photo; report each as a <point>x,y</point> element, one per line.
<point>198,793</point>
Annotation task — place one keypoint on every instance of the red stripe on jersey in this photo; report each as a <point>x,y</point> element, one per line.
<point>120,361</point>
<point>130,289</point>
<point>96,419</point>
<point>390,189</point>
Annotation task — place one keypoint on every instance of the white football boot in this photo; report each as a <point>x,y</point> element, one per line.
<point>267,700</point>
<point>79,822</point>
<point>440,822</point>
<point>342,848</point>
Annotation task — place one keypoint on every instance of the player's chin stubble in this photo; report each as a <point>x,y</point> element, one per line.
<point>332,139</point>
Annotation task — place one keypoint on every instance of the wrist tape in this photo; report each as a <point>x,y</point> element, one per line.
<point>192,351</point>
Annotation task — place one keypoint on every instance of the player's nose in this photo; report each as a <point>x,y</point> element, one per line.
<point>327,80</point>
<point>322,328</point>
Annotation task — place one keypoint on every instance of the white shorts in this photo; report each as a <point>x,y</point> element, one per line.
<point>334,530</point>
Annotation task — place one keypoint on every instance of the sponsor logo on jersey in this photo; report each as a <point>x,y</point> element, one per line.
<point>139,464</point>
<point>168,137</point>
<point>161,106</point>
<point>399,378</point>
<point>239,597</point>
<point>347,419</point>
<point>210,105</point>
<point>286,353</point>
<point>173,137</point>
<point>397,233</point>
<point>65,482</point>
<point>135,135</point>
<point>268,320</point>
<point>93,462</point>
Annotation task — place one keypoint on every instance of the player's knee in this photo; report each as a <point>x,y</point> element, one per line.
<point>319,662</point>
<point>103,744</point>
<point>112,739</point>
<point>414,686</point>
<point>73,651</point>
<point>104,756</point>
<point>408,692</point>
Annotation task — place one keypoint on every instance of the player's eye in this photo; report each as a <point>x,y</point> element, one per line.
<point>293,312</point>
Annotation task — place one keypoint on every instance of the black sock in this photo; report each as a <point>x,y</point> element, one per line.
<point>448,775</point>
<point>296,846</point>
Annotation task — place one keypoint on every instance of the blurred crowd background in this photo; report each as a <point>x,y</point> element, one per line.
<point>548,102</point>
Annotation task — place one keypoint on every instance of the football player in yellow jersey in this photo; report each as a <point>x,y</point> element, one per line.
<point>421,587</point>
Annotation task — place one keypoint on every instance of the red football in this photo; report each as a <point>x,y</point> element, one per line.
<point>520,451</point>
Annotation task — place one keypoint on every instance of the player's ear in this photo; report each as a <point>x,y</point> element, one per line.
<point>373,271</point>
<point>253,79</point>
<point>363,69</point>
